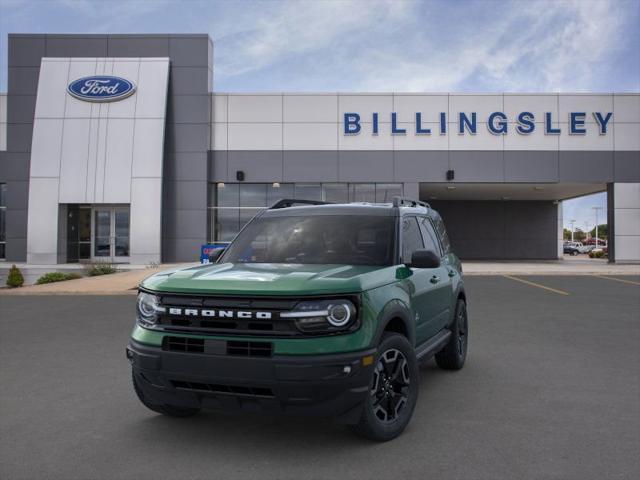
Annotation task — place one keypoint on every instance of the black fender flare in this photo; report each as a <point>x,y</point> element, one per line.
<point>395,309</point>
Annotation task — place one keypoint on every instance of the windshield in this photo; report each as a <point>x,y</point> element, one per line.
<point>321,239</point>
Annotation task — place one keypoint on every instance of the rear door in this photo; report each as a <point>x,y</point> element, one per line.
<point>421,284</point>
<point>440,299</point>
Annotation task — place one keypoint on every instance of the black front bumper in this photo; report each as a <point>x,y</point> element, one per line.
<point>319,385</point>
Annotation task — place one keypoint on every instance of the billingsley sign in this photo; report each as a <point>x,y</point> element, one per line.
<point>101,88</point>
<point>497,123</point>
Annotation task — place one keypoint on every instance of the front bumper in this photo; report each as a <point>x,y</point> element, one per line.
<point>319,385</point>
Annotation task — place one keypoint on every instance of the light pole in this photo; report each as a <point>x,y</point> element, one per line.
<point>596,210</point>
<point>572,222</point>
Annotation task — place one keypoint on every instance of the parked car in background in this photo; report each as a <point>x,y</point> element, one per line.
<point>574,248</point>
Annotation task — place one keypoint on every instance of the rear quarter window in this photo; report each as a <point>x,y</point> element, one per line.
<point>442,234</point>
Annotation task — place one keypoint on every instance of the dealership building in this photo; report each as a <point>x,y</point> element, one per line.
<point>118,148</point>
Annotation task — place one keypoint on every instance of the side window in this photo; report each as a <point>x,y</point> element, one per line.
<point>411,238</point>
<point>430,239</point>
<point>442,233</point>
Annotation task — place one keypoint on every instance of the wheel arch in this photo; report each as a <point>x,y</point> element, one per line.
<point>395,317</point>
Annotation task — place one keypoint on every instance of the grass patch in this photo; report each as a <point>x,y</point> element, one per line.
<point>53,277</point>
<point>96,269</point>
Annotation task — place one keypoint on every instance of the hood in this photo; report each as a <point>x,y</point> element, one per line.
<point>271,279</point>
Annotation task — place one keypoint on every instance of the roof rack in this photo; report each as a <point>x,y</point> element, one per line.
<point>290,202</point>
<point>401,201</point>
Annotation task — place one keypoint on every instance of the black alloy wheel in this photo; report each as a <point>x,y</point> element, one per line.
<point>390,388</point>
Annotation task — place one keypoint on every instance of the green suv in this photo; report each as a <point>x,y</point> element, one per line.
<point>313,309</point>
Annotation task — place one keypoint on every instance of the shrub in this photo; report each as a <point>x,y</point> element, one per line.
<point>52,277</point>
<point>100,269</point>
<point>15,278</point>
<point>596,254</point>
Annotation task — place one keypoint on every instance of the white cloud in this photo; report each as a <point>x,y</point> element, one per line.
<point>382,46</point>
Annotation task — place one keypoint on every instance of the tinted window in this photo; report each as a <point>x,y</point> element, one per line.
<point>321,239</point>
<point>442,233</point>
<point>430,239</point>
<point>411,238</point>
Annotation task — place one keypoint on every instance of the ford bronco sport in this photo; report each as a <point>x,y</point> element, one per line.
<point>313,309</point>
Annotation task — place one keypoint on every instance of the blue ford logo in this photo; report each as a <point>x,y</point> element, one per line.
<point>102,88</point>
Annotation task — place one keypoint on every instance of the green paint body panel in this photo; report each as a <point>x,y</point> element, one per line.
<point>290,280</point>
<point>395,288</point>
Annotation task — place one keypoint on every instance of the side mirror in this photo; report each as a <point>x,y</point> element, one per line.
<point>215,255</point>
<point>424,259</point>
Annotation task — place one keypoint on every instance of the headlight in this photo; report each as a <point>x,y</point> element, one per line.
<point>148,307</point>
<point>322,316</point>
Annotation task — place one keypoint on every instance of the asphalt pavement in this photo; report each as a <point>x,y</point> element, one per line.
<point>551,390</point>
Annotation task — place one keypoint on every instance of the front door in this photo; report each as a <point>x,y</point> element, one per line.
<point>110,234</point>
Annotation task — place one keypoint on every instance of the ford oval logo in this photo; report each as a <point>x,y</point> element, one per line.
<point>101,88</point>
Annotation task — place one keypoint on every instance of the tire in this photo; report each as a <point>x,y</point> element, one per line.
<point>393,391</point>
<point>169,410</point>
<point>454,354</point>
<point>574,253</point>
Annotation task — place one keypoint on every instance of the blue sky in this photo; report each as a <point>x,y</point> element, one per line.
<point>370,45</point>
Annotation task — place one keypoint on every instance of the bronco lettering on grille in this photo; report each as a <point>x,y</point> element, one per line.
<point>242,314</point>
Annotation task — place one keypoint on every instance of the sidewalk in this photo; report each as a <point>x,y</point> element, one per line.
<point>581,265</point>
<point>126,282</point>
<point>113,284</point>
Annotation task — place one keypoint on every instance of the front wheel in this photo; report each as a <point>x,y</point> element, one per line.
<point>393,390</point>
<point>454,354</point>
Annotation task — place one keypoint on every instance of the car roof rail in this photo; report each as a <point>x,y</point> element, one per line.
<point>409,202</point>
<point>290,202</point>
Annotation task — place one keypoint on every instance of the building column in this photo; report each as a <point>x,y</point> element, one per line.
<point>623,208</point>
<point>560,236</point>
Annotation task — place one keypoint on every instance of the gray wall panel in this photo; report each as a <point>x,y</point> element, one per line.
<point>16,223</point>
<point>310,166</point>
<point>189,51</point>
<point>185,166</point>
<point>15,167</point>
<point>76,46</point>
<point>258,166</point>
<point>586,166</point>
<point>23,80</point>
<point>477,166</point>
<point>26,50</point>
<point>19,137</point>
<point>185,223</point>
<point>188,109</point>
<point>429,166</point>
<point>365,166</point>
<point>138,46</point>
<point>182,249</point>
<point>187,137</point>
<point>188,80</point>
<point>185,195</point>
<point>218,165</point>
<point>17,195</point>
<point>16,250</point>
<point>530,166</point>
<point>501,230</point>
<point>22,108</point>
<point>626,166</point>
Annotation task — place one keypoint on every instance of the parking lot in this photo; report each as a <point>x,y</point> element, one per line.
<point>551,390</point>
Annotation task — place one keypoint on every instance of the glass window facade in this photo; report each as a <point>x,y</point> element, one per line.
<point>3,220</point>
<point>232,205</point>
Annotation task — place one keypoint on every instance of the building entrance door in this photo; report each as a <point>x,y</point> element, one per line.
<point>110,234</point>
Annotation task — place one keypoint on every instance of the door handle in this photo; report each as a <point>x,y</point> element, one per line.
<point>435,279</point>
<point>452,273</point>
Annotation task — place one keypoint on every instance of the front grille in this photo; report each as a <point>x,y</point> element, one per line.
<point>237,316</point>
<point>249,349</point>
<point>217,347</point>
<point>183,344</point>
<point>228,389</point>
